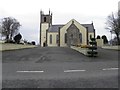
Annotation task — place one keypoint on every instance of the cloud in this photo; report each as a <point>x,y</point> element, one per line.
<point>85,11</point>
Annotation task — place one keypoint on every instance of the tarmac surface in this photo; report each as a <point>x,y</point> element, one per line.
<point>58,67</point>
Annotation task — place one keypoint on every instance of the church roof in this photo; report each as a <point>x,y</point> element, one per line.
<point>54,28</point>
<point>89,26</point>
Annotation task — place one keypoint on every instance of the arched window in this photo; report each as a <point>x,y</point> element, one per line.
<point>71,36</point>
<point>80,37</point>
<point>57,39</point>
<point>44,19</point>
<point>50,39</point>
<point>90,36</point>
<point>65,37</point>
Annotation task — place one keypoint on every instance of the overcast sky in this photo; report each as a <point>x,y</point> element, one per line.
<point>84,11</point>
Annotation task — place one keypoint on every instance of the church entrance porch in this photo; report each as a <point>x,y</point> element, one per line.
<point>74,36</point>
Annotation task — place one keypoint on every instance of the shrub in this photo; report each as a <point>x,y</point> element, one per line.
<point>98,37</point>
<point>92,48</point>
<point>33,42</point>
<point>17,38</point>
<point>29,43</point>
<point>9,41</point>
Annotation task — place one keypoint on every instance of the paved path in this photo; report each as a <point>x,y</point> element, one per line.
<point>59,67</point>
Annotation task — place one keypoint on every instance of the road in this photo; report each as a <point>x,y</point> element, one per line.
<point>58,67</point>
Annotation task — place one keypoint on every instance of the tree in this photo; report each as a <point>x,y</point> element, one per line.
<point>113,25</point>
<point>33,42</point>
<point>25,41</point>
<point>114,41</point>
<point>105,40</point>
<point>98,37</point>
<point>9,27</point>
<point>17,38</point>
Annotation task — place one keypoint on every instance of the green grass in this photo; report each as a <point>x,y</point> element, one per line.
<point>7,46</point>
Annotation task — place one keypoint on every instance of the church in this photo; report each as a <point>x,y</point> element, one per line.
<point>64,35</point>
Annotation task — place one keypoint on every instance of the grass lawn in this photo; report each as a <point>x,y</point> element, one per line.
<point>6,46</point>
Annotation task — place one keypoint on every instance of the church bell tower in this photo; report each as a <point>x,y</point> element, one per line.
<point>45,23</point>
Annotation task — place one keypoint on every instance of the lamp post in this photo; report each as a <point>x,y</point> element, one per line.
<point>119,8</point>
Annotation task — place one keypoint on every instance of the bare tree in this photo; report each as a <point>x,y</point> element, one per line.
<point>113,24</point>
<point>9,27</point>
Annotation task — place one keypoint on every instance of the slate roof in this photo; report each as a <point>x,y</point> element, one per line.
<point>89,26</point>
<point>55,28</point>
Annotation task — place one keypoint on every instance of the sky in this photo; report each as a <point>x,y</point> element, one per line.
<point>27,12</point>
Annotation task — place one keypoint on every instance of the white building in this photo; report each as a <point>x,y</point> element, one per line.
<point>63,35</point>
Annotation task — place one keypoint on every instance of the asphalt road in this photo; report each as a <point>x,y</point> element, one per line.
<point>59,68</point>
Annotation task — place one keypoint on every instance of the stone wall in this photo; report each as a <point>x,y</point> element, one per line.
<point>73,35</point>
<point>99,42</point>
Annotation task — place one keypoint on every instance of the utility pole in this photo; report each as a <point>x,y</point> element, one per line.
<point>111,37</point>
<point>119,8</point>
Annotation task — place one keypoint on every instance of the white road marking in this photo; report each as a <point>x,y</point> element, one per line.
<point>74,70</point>
<point>29,71</point>
<point>110,69</point>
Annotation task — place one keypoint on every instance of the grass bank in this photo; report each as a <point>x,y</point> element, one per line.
<point>6,46</point>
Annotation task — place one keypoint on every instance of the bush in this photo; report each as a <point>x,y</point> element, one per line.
<point>98,37</point>
<point>10,41</point>
<point>92,48</point>
<point>33,42</point>
<point>29,43</point>
<point>17,38</point>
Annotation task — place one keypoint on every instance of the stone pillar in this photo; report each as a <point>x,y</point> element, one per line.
<point>99,42</point>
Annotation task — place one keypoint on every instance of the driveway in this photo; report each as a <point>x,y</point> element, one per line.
<point>58,67</point>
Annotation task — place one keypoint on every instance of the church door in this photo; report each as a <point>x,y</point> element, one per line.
<point>44,44</point>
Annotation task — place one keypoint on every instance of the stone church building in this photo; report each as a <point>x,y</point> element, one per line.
<point>64,35</point>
